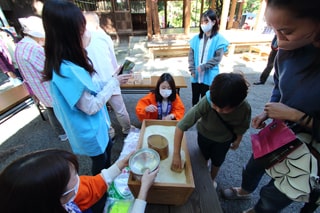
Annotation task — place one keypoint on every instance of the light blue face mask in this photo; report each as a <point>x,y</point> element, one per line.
<point>207,27</point>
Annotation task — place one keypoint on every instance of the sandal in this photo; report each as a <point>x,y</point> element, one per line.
<point>232,193</point>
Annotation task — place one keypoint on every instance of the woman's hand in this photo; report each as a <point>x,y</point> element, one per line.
<point>258,121</point>
<point>123,78</point>
<point>151,108</point>
<point>116,73</point>
<point>282,112</point>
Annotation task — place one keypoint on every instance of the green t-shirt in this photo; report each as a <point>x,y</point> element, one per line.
<point>209,124</point>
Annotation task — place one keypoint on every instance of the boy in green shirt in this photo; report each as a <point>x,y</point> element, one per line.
<point>222,117</point>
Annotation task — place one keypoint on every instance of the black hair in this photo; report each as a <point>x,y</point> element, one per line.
<point>213,17</point>
<point>309,9</point>
<point>228,90</point>
<point>64,25</point>
<point>166,77</point>
<point>36,182</point>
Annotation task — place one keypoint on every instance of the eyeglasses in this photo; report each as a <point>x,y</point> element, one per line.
<point>75,188</point>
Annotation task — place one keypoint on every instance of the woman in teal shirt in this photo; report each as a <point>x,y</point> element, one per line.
<point>206,51</point>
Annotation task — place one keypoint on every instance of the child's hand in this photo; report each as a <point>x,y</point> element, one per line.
<point>146,182</point>
<point>167,118</point>
<point>151,108</point>
<point>177,165</point>
<point>125,161</point>
<point>148,178</point>
<point>235,145</point>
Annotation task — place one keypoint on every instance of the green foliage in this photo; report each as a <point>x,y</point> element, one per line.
<point>175,12</point>
<point>251,6</point>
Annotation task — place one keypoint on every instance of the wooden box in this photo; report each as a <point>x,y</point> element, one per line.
<point>162,192</point>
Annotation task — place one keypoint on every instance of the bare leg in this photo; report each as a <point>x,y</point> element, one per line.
<point>214,172</point>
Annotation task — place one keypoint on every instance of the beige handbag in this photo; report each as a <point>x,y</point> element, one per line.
<point>295,176</point>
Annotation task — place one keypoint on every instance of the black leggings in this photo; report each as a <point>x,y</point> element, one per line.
<point>197,90</point>
<point>102,161</point>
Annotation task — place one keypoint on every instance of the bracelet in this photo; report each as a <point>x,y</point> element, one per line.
<point>303,118</point>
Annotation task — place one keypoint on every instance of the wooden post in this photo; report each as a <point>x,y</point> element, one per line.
<point>153,25</point>
<point>240,11</point>
<point>259,18</point>
<point>187,16</point>
<point>201,8</point>
<point>155,17</point>
<point>232,12</point>
<point>213,5</point>
<point>224,15</point>
<point>149,19</point>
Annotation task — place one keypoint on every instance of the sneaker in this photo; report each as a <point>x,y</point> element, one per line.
<point>258,83</point>
<point>209,165</point>
<point>126,132</point>
<point>251,210</point>
<point>215,184</point>
<point>232,193</point>
<point>112,132</point>
<point>63,137</point>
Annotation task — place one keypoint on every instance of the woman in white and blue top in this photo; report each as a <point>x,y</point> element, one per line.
<point>206,51</point>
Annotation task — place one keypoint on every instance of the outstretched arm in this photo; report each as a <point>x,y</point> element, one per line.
<point>176,164</point>
<point>146,182</point>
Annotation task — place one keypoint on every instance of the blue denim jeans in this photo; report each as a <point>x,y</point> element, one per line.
<point>271,199</point>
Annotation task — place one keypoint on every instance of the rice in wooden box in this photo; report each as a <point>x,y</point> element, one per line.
<point>170,188</point>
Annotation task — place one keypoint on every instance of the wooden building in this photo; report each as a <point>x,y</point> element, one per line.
<point>141,17</point>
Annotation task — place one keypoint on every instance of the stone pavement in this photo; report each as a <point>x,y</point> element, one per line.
<point>26,132</point>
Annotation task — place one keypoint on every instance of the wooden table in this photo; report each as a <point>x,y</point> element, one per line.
<point>146,85</point>
<point>257,52</point>
<point>13,100</point>
<point>174,45</point>
<point>243,39</point>
<point>204,198</point>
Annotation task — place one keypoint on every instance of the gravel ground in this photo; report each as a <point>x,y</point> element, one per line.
<point>26,132</point>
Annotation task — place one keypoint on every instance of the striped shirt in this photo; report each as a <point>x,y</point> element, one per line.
<point>5,58</point>
<point>30,58</point>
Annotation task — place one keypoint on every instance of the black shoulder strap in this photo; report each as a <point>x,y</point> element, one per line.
<point>225,123</point>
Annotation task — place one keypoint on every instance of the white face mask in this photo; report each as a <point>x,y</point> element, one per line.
<point>207,27</point>
<point>86,38</point>
<point>74,189</point>
<point>165,93</point>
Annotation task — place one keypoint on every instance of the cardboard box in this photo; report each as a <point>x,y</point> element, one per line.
<point>165,193</point>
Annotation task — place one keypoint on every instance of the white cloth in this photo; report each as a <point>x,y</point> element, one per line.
<point>32,26</point>
<point>139,206</point>
<point>91,104</point>
<point>101,52</point>
<point>110,174</point>
<point>203,55</point>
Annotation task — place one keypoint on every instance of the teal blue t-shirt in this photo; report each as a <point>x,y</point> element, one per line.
<point>87,134</point>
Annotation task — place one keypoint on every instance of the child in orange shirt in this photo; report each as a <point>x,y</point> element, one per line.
<point>163,103</point>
